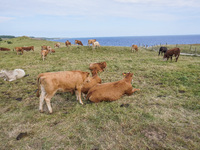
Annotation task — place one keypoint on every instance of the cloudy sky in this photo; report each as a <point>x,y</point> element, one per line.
<point>99,18</point>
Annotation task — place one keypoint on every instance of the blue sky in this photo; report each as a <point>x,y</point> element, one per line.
<point>99,18</point>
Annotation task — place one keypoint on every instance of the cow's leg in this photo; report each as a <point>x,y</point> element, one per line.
<point>78,95</point>
<point>42,95</point>
<point>48,100</point>
<point>177,57</point>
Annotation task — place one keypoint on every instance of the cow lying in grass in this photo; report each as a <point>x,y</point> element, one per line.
<point>11,75</point>
<point>171,52</point>
<point>97,67</point>
<point>4,49</point>
<point>112,91</point>
<point>66,81</point>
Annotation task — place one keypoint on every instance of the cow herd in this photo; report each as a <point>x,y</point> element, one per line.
<point>80,82</point>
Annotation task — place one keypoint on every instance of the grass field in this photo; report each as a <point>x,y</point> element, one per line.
<point>164,114</point>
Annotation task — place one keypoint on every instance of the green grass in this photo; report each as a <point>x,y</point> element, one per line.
<point>165,114</point>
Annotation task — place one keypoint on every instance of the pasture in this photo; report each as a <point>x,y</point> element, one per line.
<point>164,114</point>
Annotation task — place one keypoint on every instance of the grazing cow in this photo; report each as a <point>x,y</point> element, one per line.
<point>57,45</point>
<point>67,43</point>
<point>112,91</point>
<point>171,52</point>
<point>44,47</point>
<point>162,50</point>
<point>78,42</point>
<point>134,47</point>
<point>28,48</point>
<point>44,53</point>
<point>95,44</point>
<point>97,67</point>
<point>65,81</point>
<point>19,49</point>
<point>91,41</point>
<point>4,49</point>
<point>11,75</point>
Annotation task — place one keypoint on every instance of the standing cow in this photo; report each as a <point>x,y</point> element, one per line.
<point>66,81</point>
<point>171,52</point>
<point>91,41</point>
<point>78,42</point>
<point>162,50</point>
<point>134,47</point>
<point>67,43</point>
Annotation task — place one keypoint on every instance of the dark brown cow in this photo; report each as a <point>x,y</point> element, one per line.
<point>67,43</point>
<point>28,48</point>
<point>78,42</point>
<point>4,49</point>
<point>171,52</point>
<point>112,91</point>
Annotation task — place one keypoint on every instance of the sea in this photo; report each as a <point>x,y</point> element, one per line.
<point>138,40</point>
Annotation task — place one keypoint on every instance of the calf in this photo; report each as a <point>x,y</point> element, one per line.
<point>134,47</point>
<point>94,80</point>
<point>44,53</point>
<point>65,81</point>
<point>171,52</point>
<point>162,50</point>
<point>11,75</point>
<point>111,91</point>
<point>97,67</point>
<point>4,49</point>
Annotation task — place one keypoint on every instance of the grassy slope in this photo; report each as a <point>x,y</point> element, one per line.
<point>164,114</point>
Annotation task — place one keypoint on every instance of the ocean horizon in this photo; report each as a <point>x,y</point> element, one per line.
<point>138,40</point>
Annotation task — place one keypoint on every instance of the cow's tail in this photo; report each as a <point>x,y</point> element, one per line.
<point>38,84</point>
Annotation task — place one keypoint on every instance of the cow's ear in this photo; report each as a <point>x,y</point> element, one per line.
<point>124,74</point>
<point>88,74</point>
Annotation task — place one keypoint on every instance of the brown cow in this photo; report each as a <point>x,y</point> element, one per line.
<point>112,91</point>
<point>171,52</point>
<point>4,49</point>
<point>91,41</point>
<point>97,67</point>
<point>94,80</point>
<point>19,49</point>
<point>134,47</point>
<point>44,47</point>
<point>44,53</point>
<point>57,45</point>
<point>65,81</point>
<point>67,43</point>
<point>28,48</point>
<point>78,42</point>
